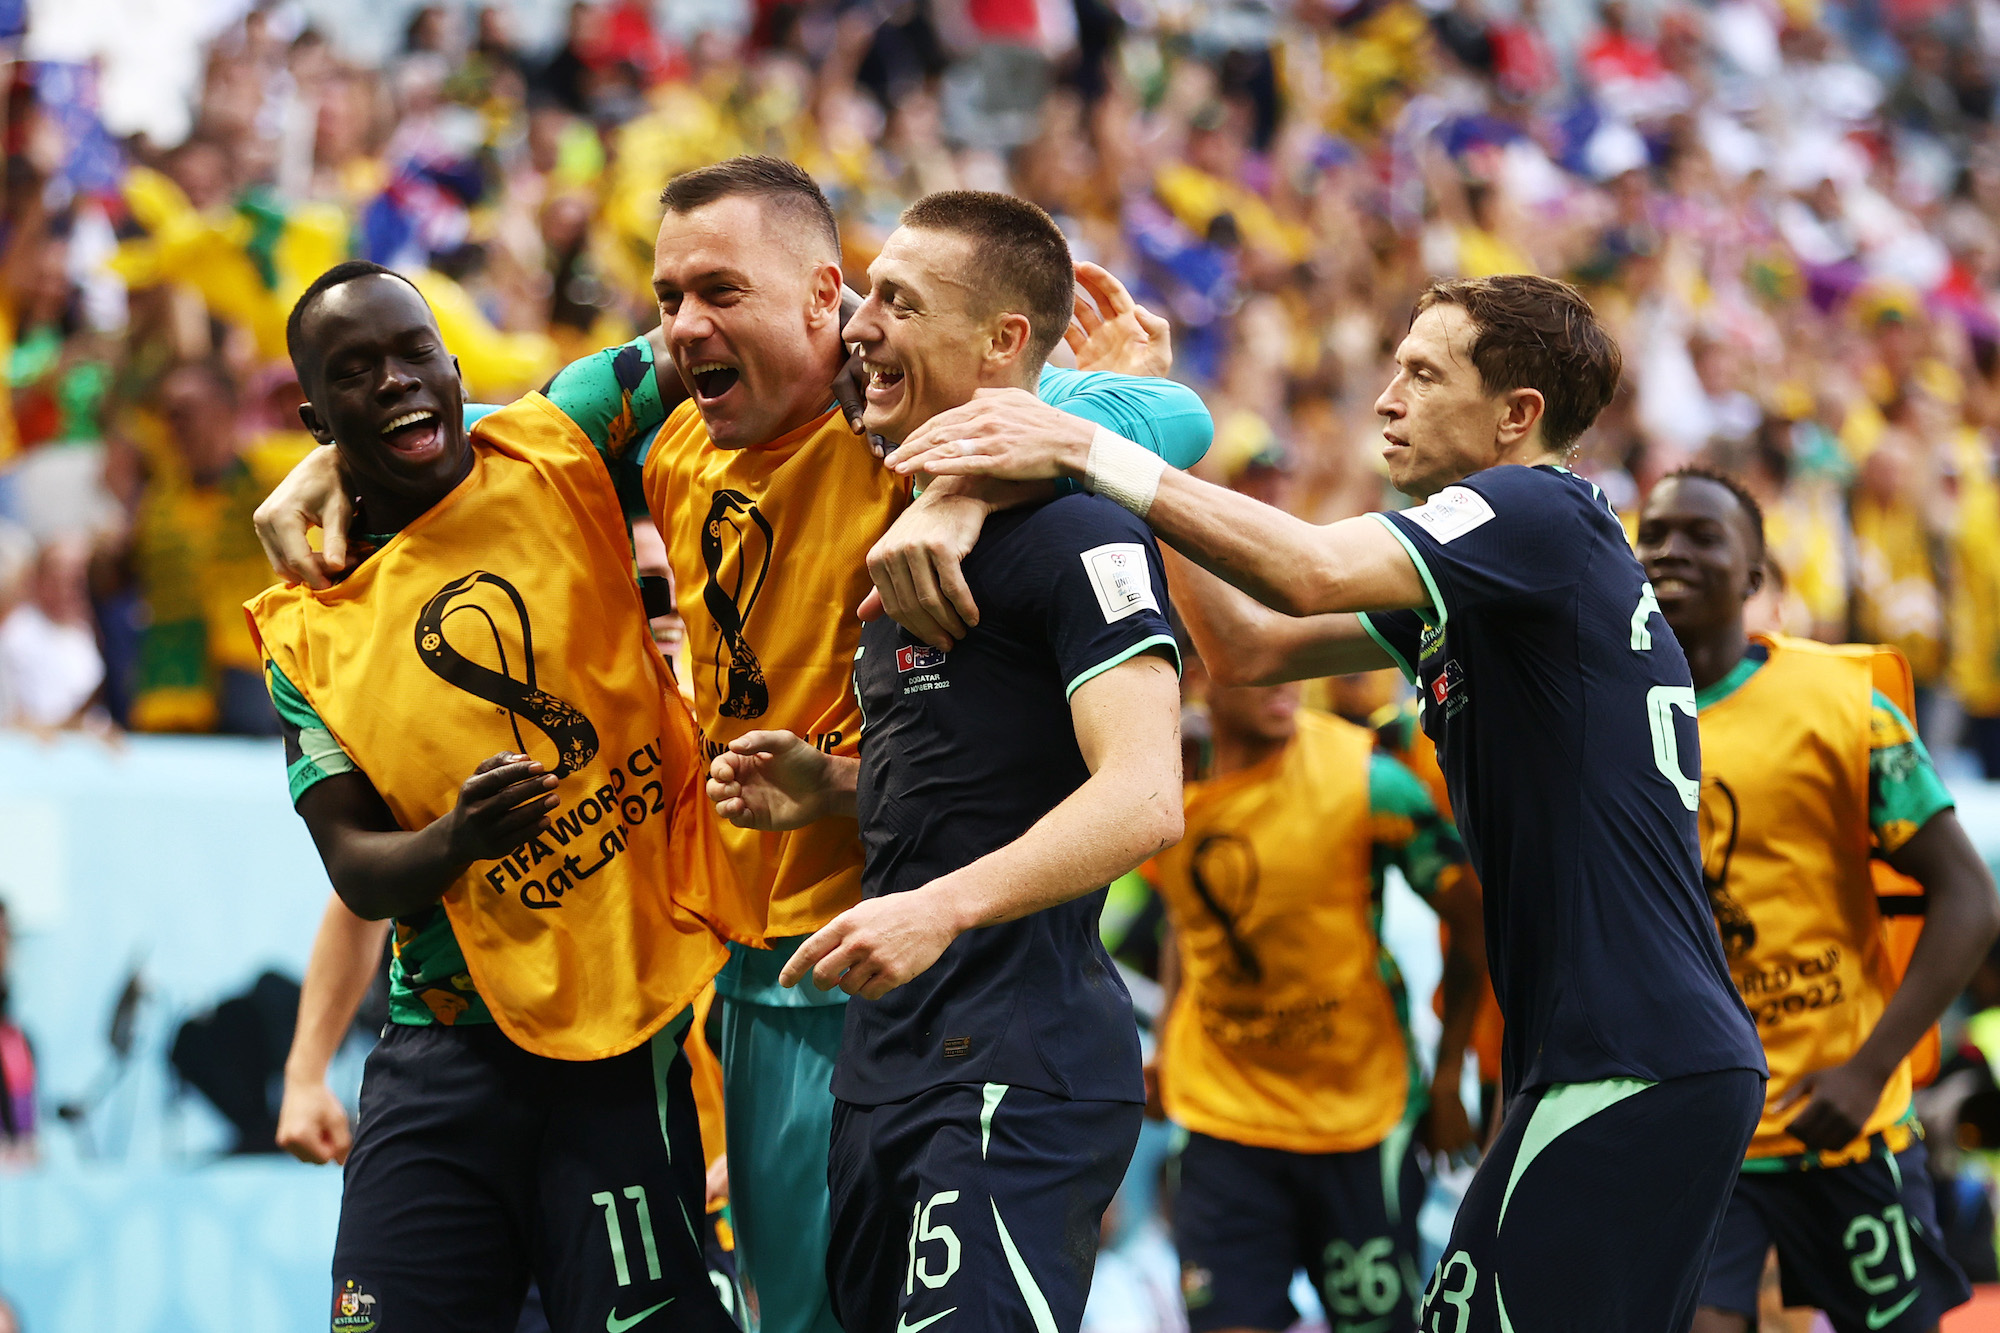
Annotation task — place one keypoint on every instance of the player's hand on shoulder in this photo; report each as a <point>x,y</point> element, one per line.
<point>1004,433</point>
<point>506,801</point>
<point>1110,331</point>
<point>312,1124</point>
<point>874,946</point>
<point>769,780</point>
<point>916,567</point>
<point>312,495</point>
<point>1838,1102</point>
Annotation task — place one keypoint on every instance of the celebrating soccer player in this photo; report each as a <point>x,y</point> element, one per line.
<point>1287,1054</point>
<point>770,504</point>
<point>528,1109</point>
<point>1808,772</point>
<point>1564,716</point>
<point>988,1079</point>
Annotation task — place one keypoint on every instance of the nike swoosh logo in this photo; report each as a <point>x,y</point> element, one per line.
<point>904,1326</point>
<point>1877,1318</point>
<point>613,1324</point>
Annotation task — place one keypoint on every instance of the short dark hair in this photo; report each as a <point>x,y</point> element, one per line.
<point>783,183</point>
<point>341,273</point>
<point>1532,332</point>
<point>1753,513</point>
<point>1024,261</point>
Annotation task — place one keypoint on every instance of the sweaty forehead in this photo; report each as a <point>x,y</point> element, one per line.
<point>933,264</point>
<point>367,309</point>
<point>1443,334</point>
<point>1688,499</point>
<point>737,233</point>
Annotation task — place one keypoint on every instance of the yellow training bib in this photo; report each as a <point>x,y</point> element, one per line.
<point>1284,1033</point>
<point>769,549</point>
<point>1786,858</point>
<point>506,618</point>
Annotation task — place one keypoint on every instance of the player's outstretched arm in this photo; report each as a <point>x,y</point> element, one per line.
<point>381,870</point>
<point>773,780</point>
<point>1243,642</point>
<point>312,1124</point>
<point>1961,921</point>
<point>1291,566</point>
<point>1127,724</point>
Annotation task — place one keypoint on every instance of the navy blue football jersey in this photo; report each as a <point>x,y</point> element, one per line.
<point>1564,718</point>
<point>961,753</point>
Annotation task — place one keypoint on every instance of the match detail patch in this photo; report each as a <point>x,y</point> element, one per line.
<point>1451,513</point>
<point>1119,577</point>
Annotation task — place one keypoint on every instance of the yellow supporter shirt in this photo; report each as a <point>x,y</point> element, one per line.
<point>769,550</point>
<point>507,617</point>
<point>1806,771</point>
<point>1288,1029</point>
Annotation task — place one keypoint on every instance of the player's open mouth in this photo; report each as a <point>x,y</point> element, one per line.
<point>712,379</point>
<point>885,383</point>
<point>414,433</point>
<point>1672,587</point>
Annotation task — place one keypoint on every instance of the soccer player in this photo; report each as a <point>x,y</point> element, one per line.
<point>528,1109</point>
<point>1564,717</point>
<point>1287,1054</point>
<point>1808,772</point>
<point>988,1078</point>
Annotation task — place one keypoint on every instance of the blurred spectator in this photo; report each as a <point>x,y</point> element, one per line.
<point>50,669</point>
<point>193,552</point>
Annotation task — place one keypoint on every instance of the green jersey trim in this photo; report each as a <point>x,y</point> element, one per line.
<point>1154,641</point>
<point>1437,613</point>
<point>1729,684</point>
<point>1563,1106</point>
<point>1402,663</point>
<point>312,755</point>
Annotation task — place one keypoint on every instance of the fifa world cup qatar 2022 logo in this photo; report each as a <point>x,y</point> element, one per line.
<point>736,545</point>
<point>572,734</point>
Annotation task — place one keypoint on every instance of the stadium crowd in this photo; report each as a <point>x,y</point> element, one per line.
<point>1787,214</point>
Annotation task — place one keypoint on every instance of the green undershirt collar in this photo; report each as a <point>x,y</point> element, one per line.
<point>1729,684</point>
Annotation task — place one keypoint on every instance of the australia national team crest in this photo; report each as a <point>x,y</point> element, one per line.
<point>353,1308</point>
<point>1448,688</point>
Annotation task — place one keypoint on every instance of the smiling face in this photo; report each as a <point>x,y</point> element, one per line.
<point>1699,553</point>
<point>925,337</point>
<point>752,317</point>
<point>1442,424</point>
<point>381,386</point>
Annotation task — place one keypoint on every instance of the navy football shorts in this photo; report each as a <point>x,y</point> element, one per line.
<point>978,1201</point>
<point>477,1165</point>
<point>1597,1208</point>
<point>1245,1219</point>
<point>1860,1242</point>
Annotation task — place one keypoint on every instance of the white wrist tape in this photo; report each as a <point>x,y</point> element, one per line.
<point>1125,473</point>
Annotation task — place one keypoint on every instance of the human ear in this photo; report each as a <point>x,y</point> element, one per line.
<point>309,418</point>
<point>1520,412</point>
<point>823,301</point>
<point>1009,340</point>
